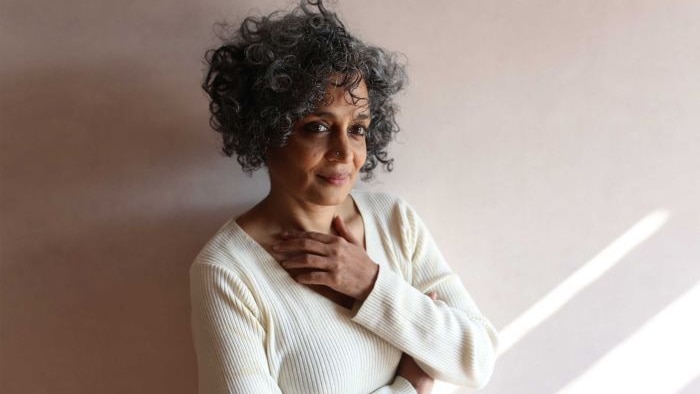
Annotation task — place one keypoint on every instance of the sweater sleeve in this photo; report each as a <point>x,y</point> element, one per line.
<point>228,336</point>
<point>449,338</point>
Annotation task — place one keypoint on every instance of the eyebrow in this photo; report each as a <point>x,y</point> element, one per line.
<point>361,116</point>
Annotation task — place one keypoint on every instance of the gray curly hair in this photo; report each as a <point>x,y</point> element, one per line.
<point>275,70</point>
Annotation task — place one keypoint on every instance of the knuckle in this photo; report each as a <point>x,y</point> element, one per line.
<point>335,251</point>
<point>317,276</point>
<point>303,277</point>
<point>335,278</point>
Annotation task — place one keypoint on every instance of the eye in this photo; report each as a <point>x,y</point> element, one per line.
<point>359,130</point>
<point>316,127</point>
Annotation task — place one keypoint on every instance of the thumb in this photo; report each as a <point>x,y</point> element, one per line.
<point>343,231</point>
<point>432,295</point>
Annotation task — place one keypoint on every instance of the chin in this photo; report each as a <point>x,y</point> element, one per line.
<point>335,199</point>
<point>334,196</point>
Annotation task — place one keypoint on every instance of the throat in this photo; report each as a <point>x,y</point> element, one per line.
<point>290,214</point>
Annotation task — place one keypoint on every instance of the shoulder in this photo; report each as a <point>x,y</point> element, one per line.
<point>225,265</point>
<point>393,214</point>
<point>379,201</point>
<point>384,206</point>
<point>227,249</point>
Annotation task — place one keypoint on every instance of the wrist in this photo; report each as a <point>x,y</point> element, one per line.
<point>368,289</point>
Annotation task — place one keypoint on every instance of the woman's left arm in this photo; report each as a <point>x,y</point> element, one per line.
<point>449,338</point>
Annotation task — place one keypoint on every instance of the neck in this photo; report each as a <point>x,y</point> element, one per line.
<point>292,214</point>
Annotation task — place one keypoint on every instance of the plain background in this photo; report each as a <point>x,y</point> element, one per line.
<point>534,134</point>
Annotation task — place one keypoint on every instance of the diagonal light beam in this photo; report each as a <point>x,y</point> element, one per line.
<point>582,278</point>
<point>661,357</point>
<point>566,290</point>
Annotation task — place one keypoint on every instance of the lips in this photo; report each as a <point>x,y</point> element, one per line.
<point>335,178</point>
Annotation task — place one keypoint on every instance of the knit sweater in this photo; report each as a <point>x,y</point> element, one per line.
<point>256,330</point>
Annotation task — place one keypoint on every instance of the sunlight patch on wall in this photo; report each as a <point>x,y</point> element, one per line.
<point>576,282</point>
<point>661,357</point>
<point>582,278</point>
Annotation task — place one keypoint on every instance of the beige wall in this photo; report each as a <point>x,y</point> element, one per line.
<point>535,135</point>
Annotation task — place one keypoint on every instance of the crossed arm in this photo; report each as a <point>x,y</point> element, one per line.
<point>447,339</point>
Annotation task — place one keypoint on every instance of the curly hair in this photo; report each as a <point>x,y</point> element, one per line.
<point>275,70</point>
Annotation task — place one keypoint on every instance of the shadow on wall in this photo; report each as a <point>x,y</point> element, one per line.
<point>99,229</point>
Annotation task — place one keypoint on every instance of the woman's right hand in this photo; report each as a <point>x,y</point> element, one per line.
<point>409,369</point>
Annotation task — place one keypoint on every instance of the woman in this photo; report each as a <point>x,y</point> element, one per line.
<point>318,288</point>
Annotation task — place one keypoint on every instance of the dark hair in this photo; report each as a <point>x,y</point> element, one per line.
<point>276,69</point>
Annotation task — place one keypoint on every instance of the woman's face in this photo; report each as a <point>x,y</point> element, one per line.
<point>320,163</point>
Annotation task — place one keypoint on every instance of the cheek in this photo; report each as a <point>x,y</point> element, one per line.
<point>301,152</point>
<point>360,155</point>
<point>307,151</point>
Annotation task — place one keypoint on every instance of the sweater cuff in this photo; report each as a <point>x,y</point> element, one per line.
<point>399,386</point>
<point>403,386</point>
<point>377,311</point>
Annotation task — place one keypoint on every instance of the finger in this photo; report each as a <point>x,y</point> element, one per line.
<point>343,231</point>
<point>280,256</point>
<point>314,278</point>
<point>306,261</point>
<point>432,295</point>
<point>325,238</point>
<point>301,245</point>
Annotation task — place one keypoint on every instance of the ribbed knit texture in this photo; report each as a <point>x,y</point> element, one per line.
<point>258,331</point>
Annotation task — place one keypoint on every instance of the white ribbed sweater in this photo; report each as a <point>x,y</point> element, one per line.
<point>256,330</point>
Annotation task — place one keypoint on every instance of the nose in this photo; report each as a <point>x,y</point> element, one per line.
<point>339,150</point>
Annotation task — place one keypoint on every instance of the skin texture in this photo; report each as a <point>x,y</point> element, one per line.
<point>322,158</point>
<point>308,222</point>
<point>336,261</point>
